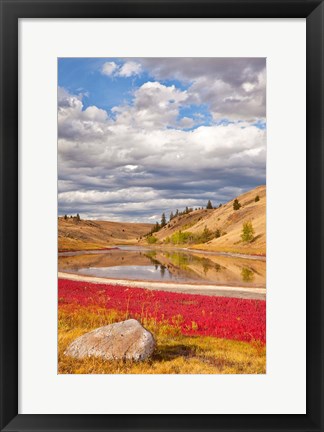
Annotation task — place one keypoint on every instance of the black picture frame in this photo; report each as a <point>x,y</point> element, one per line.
<point>11,11</point>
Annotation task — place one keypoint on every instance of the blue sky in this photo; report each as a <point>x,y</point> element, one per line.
<point>83,75</point>
<point>142,136</point>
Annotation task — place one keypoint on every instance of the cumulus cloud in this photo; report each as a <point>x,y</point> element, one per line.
<point>145,157</point>
<point>126,70</point>
<point>154,106</point>
<point>130,68</point>
<point>108,68</point>
<point>233,88</point>
<point>76,123</point>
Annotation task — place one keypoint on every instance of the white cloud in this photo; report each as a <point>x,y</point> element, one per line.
<point>109,68</point>
<point>233,88</point>
<point>155,106</point>
<point>129,68</point>
<point>75,123</point>
<point>142,159</point>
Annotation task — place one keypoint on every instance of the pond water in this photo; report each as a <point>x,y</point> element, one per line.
<point>167,265</point>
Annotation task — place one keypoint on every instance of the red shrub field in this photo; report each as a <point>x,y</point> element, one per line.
<point>222,317</point>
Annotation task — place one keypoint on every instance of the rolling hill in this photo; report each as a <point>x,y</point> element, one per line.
<point>226,221</point>
<point>88,234</point>
<point>223,226</point>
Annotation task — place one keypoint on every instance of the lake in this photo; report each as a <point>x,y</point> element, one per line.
<point>167,265</point>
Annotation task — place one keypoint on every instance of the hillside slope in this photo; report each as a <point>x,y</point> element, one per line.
<point>86,234</point>
<point>228,221</point>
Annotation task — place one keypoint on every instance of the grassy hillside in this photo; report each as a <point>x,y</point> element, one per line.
<point>85,234</point>
<point>220,229</point>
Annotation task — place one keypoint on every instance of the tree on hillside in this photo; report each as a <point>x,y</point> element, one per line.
<point>171,216</point>
<point>218,233</point>
<point>209,205</point>
<point>206,235</point>
<point>78,217</point>
<point>163,220</point>
<point>257,198</point>
<point>220,205</point>
<point>187,210</point>
<point>177,213</point>
<point>236,204</point>
<point>65,217</point>
<point>154,229</point>
<point>247,232</point>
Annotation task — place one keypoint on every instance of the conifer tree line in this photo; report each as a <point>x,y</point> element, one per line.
<point>77,217</point>
<point>187,210</point>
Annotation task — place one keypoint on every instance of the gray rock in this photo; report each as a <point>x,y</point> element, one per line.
<point>126,340</point>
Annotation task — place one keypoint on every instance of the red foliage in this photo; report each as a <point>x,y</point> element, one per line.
<point>229,318</point>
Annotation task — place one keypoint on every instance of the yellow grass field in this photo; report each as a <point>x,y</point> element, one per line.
<point>228,221</point>
<point>86,234</point>
<point>175,353</point>
<point>81,234</point>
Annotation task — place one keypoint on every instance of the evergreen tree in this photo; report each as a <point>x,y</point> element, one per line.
<point>78,217</point>
<point>209,205</point>
<point>163,220</point>
<point>236,204</point>
<point>171,216</point>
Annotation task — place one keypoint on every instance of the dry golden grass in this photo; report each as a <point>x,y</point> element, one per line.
<point>175,353</point>
<point>229,222</point>
<point>86,234</point>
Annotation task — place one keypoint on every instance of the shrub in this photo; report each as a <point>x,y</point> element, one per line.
<point>257,198</point>
<point>151,239</point>
<point>206,235</point>
<point>236,204</point>
<point>218,233</point>
<point>181,237</point>
<point>247,274</point>
<point>247,232</point>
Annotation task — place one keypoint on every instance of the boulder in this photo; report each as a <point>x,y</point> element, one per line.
<point>125,340</point>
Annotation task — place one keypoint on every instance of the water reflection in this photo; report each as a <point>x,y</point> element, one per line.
<point>166,265</point>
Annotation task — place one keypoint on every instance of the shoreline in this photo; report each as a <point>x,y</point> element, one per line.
<point>157,247</point>
<point>211,290</point>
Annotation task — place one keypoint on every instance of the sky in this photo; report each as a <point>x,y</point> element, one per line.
<point>141,136</point>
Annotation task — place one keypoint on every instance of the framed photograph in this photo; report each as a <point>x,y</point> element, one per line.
<point>161,215</point>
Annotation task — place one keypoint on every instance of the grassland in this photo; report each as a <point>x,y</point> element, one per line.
<point>74,234</point>
<point>194,333</point>
<point>224,220</point>
<point>175,353</point>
